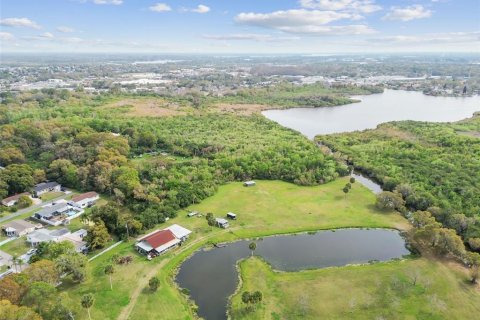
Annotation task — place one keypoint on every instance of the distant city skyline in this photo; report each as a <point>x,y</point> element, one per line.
<point>247,26</point>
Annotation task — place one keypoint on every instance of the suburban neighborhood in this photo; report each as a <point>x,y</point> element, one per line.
<point>46,217</point>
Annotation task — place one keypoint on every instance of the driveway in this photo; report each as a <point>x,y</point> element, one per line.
<point>5,258</point>
<point>31,208</point>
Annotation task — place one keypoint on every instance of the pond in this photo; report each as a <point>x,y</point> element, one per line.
<point>391,105</point>
<point>211,275</point>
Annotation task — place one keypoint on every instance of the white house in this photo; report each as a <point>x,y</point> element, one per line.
<point>12,200</point>
<point>45,187</point>
<point>18,228</point>
<point>85,200</point>
<point>58,213</point>
<point>45,235</point>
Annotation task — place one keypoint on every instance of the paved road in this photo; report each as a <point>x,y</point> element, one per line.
<point>31,208</point>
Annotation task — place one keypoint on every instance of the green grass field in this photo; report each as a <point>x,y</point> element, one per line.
<point>51,195</point>
<point>378,291</point>
<point>16,247</point>
<point>271,207</point>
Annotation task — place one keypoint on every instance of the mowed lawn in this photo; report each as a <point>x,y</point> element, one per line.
<point>271,207</point>
<point>279,207</point>
<point>378,291</point>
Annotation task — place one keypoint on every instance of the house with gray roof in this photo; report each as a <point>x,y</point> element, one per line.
<point>45,187</point>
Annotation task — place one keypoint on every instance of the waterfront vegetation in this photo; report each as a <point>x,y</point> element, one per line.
<point>414,288</point>
<point>434,166</point>
<point>271,207</point>
<point>157,167</point>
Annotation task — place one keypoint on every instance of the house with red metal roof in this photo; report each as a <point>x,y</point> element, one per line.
<point>160,241</point>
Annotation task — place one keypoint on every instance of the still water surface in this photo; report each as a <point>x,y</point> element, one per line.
<point>211,276</point>
<point>391,105</point>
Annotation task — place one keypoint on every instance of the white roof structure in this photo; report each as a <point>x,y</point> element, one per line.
<point>44,235</point>
<point>178,231</point>
<point>221,220</point>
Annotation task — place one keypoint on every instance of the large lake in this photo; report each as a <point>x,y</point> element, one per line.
<point>211,275</point>
<point>392,105</point>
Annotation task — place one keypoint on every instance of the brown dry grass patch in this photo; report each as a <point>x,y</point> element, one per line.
<point>243,109</point>
<point>147,108</point>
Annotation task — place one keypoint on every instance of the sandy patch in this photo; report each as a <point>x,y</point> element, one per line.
<point>243,109</point>
<point>147,108</point>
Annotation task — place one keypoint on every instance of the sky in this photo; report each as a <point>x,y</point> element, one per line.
<point>240,26</point>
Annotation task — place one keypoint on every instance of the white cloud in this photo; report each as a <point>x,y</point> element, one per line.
<point>432,38</point>
<point>64,29</point>
<point>249,37</point>
<point>19,22</point>
<point>6,36</point>
<point>304,21</point>
<point>47,35</point>
<point>201,9</point>
<point>362,6</point>
<point>114,2</point>
<point>408,13</point>
<point>160,7</point>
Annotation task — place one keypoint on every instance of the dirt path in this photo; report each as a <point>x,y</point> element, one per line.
<point>142,283</point>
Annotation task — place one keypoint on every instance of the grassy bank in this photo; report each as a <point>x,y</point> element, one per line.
<point>271,207</point>
<point>411,289</point>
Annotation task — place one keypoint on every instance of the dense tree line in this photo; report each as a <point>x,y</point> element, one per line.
<point>83,146</point>
<point>33,293</point>
<point>424,166</point>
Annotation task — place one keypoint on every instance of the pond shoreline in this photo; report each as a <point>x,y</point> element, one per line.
<point>201,250</point>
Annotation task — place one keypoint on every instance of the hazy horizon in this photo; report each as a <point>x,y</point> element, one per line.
<point>247,27</point>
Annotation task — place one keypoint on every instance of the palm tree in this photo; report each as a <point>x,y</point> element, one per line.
<point>109,270</point>
<point>252,246</point>
<point>14,262</point>
<point>87,302</point>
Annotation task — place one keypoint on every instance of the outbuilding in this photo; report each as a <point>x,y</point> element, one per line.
<point>231,215</point>
<point>250,183</point>
<point>222,223</point>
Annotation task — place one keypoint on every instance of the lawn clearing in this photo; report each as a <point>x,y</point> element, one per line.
<point>16,247</point>
<point>378,291</point>
<point>51,195</point>
<point>271,207</point>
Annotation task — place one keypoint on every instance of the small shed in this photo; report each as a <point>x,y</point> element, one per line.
<point>231,215</point>
<point>192,214</point>
<point>222,223</point>
<point>250,183</point>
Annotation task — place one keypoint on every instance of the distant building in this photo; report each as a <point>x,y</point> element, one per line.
<point>222,223</point>
<point>249,183</point>
<point>160,241</point>
<point>18,228</point>
<point>12,200</point>
<point>45,187</point>
<point>84,200</point>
